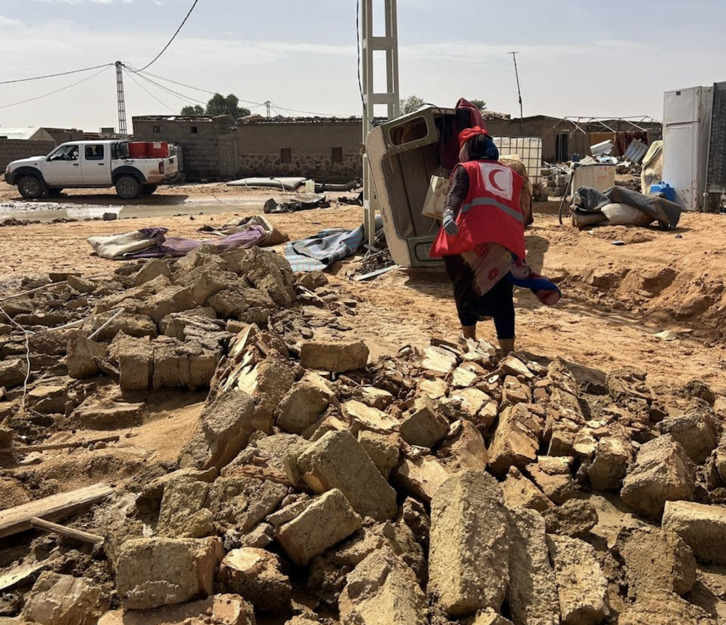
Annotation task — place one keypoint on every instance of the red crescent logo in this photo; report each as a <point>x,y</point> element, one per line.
<point>493,179</point>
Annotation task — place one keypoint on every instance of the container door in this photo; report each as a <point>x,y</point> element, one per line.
<point>680,162</point>
<point>682,106</point>
<point>62,168</point>
<point>96,169</point>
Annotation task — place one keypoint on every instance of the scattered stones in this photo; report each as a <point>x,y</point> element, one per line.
<point>83,358</point>
<point>303,405</point>
<point>516,439</point>
<point>610,464</point>
<point>581,584</point>
<point>325,522</point>
<point>702,528</point>
<point>469,552</point>
<point>336,357</point>
<point>695,431</point>
<point>183,512</point>
<point>151,572</point>
<point>12,372</point>
<point>383,449</point>
<point>662,473</point>
<point>520,492</point>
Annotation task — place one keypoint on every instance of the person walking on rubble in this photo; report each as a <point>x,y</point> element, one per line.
<point>482,240</point>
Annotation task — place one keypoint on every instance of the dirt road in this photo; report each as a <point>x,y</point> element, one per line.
<point>616,297</point>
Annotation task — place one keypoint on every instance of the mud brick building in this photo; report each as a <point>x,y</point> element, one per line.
<point>324,149</point>
<point>208,145</point>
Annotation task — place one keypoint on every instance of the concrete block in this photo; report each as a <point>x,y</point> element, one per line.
<point>532,595</point>
<point>337,356</point>
<point>662,473</point>
<point>610,464</point>
<point>516,440</point>
<point>64,600</point>
<point>151,572</point>
<point>581,584</point>
<point>469,551</point>
<point>325,522</point>
<point>136,363</point>
<point>337,460</point>
<point>183,513</point>
<point>425,426</point>
<point>82,357</point>
<point>702,528</point>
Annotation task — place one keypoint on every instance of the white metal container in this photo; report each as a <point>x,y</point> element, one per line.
<point>600,177</point>
<point>686,130</point>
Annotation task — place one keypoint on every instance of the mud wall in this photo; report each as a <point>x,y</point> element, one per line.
<point>13,149</point>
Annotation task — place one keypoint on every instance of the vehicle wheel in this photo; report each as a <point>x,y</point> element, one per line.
<point>148,189</point>
<point>55,191</point>
<point>30,187</point>
<point>127,187</point>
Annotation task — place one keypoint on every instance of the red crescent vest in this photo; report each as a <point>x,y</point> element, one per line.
<point>490,213</point>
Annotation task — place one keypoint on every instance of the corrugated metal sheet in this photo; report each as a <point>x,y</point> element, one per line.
<point>636,151</point>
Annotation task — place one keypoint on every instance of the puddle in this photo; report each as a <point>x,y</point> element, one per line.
<point>48,211</point>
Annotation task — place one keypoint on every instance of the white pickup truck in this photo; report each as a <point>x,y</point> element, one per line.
<point>90,164</point>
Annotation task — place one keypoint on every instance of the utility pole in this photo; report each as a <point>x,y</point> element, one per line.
<point>387,43</point>
<point>121,99</point>
<point>268,104</point>
<point>519,90</point>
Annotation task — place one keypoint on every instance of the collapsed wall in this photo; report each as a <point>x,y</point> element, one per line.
<point>443,486</point>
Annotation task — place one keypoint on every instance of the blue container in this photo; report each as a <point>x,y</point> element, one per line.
<point>665,189</point>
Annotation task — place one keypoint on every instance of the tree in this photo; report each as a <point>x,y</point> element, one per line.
<point>219,105</point>
<point>410,104</point>
<point>195,110</point>
<point>480,104</point>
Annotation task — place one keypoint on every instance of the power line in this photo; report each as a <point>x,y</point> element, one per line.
<point>164,104</point>
<point>156,58</point>
<point>75,71</point>
<point>181,96</point>
<point>277,106</point>
<point>40,97</point>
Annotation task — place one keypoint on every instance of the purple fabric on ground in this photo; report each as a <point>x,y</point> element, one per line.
<point>176,247</point>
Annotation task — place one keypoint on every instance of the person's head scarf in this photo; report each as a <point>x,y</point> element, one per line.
<point>475,144</point>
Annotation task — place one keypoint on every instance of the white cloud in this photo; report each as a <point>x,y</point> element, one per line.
<point>9,22</point>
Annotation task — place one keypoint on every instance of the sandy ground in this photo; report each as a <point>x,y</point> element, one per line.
<point>616,297</point>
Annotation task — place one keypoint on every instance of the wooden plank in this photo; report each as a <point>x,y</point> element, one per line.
<point>18,575</point>
<point>69,532</point>
<point>26,449</point>
<point>17,519</point>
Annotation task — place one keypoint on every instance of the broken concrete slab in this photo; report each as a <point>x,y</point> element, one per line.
<point>469,551</point>
<point>702,528</point>
<point>112,416</point>
<point>696,431</point>
<point>242,502</point>
<point>663,472</point>
<point>135,363</point>
<point>464,448</point>
<point>256,575</point>
<point>657,560</point>
<point>325,522</point>
<point>334,356</point>
<point>383,449</point>
<point>516,440</point>
<point>660,608</point>
<point>382,589</point>
<point>152,268</point>
<point>421,477</point>
<point>151,572</point>
<point>425,426</point>
<point>219,610</point>
<point>610,464</point>
<point>83,357</point>
<point>303,405</point>
<point>532,594</point>
<point>337,460</point>
<point>520,492</point>
<point>581,584</point>
<point>438,360</point>
<point>490,617</point>
<point>375,397</point>
<point>552,475</point>
<point>64,600</point>
<point>364,417</point>
<point>183,513</point>
<point>574,518</point>
<point>12,372</point>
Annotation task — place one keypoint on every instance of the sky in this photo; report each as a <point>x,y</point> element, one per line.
<point>576,57</point>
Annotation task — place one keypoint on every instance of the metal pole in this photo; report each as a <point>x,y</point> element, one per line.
<point>519,91</point>
<point>121,99</point>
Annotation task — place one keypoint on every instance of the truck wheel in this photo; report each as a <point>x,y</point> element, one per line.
<point>30,187</point>
<point>127,187</point>
<point>148,189</point>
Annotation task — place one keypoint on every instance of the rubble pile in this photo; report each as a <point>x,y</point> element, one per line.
<point>443,486</point>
